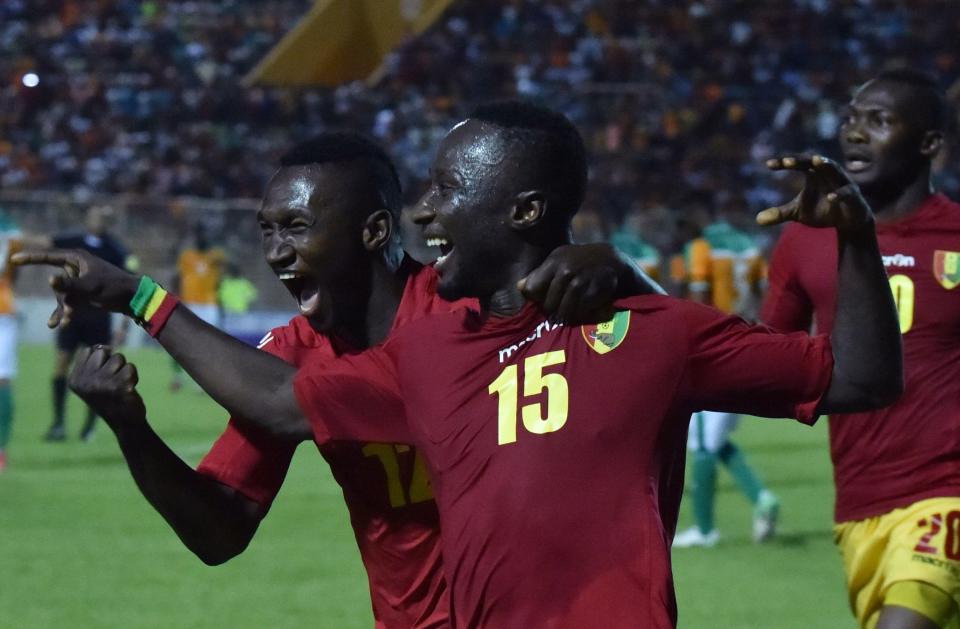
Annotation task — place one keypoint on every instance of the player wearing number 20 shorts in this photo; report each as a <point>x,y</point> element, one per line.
<point>897,470</point>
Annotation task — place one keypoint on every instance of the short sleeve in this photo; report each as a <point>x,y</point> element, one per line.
<point>737,367</point>
<point>249,461</point>
<point>355,397</point>
<point>786,306</point>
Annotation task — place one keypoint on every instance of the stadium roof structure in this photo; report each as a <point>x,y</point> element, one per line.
<point>339,41</point>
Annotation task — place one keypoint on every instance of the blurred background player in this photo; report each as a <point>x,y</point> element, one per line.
<point>629,239</point>
<point>897,470</point>
<point>723,268</point>
<point>235,295</point>
<point>10,243</point>
<point>199,273</point>
<point>87,326</point>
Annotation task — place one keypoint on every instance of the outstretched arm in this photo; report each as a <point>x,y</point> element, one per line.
<point>214,521</point>
<point>253,386</point>
<point>868,359</point>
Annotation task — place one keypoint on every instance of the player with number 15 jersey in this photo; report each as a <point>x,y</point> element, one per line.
<point>557,452</point>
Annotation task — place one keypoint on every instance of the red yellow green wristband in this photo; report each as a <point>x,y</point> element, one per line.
<point>152,305</point>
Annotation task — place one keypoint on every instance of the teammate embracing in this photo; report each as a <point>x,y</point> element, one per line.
<point>897,470</point>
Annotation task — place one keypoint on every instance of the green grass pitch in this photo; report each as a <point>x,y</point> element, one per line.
<point>79,546</point>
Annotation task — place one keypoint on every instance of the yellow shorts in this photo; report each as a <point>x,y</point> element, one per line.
<point>919,543</point>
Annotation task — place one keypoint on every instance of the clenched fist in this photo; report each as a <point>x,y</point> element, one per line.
<point>108,383</point>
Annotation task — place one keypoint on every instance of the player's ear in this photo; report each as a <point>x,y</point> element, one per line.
<point>529,209</point>
<point>377,230</point>
<point>931,144</point>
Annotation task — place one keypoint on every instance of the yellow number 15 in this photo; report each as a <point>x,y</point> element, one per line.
<point>534,381</point>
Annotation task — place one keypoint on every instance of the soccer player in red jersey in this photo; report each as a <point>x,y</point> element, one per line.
<point>897,470</point>
<point>352,290</point>
<point>327,192</point>
<point>557,450</point>
<point>559,501</point>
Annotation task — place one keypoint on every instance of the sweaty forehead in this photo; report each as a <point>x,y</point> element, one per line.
<point>883,95</point>
<point>309,187</point>
<point>471,145</point>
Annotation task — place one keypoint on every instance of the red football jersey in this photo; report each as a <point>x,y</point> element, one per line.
<point>557,452</point>
<point>386,486</point>
<point>895,456</point>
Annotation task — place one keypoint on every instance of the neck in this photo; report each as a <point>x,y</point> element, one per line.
<point>894,205</point>
<point>370,320</point>
<point>507,300</point>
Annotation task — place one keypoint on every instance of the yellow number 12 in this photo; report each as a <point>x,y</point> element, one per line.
<point>505,387</point>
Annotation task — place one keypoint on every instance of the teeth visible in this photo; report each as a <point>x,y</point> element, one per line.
<point>436,242</point>
<point>441,259</point>
<point>287,276</point>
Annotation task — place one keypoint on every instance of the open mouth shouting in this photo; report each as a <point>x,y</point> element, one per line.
<point>856,161</point>
<point>303,289</point>
<point>446,248</point>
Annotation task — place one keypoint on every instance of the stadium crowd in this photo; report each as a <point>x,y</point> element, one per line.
<point>677,100</point>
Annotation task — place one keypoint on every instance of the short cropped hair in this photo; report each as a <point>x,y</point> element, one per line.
<point>553,142</point>
<point>335,147</point>
<point>930,97</point>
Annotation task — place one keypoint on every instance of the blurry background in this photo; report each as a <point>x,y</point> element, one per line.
<point>174,113</point>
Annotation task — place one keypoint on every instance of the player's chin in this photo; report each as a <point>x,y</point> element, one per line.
<point>450,288</point>
<point>863,178</point>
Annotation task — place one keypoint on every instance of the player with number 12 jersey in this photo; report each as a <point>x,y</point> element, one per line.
<point>385,485</point>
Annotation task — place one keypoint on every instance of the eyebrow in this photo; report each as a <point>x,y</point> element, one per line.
<point>849,107</point>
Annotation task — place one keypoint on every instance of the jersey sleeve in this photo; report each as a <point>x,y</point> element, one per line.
<point>741,368</point>
<point>249,461</point>
<point>353,398</point>
<point>786,306</point>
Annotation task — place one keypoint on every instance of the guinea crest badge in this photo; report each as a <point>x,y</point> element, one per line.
<point>946,268</point>
<point>607,336</point>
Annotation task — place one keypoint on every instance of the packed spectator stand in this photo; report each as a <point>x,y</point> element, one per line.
<point>680,101</point>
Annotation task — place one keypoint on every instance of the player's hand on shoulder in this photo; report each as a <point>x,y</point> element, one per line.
<point>579,283</point>
<point>829,197</point>
<point>108,383</point>
<point>82,278</point>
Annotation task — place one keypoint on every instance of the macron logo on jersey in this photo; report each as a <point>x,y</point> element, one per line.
<point>898,259</point>
<point>544,326</point>
<point>266,339</point>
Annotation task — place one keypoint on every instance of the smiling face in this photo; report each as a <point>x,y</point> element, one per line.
<point>466,211</point>
<point>312,230</point>
<point>883,138</point>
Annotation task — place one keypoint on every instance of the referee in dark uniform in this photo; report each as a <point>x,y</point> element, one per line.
<point>87,326</point>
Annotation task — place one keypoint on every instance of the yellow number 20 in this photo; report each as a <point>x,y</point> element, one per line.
<point>534,382</point>
<point>902,288</point>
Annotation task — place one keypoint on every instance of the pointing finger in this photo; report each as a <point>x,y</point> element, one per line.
<point>57,257</point>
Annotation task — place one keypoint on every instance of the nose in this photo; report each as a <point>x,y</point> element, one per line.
<point>423,213</point>
<point>853,133</point>
<point>278,252</point>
